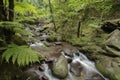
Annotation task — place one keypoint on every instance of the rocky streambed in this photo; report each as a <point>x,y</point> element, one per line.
<point>66,62</point>
<point>62,62</point>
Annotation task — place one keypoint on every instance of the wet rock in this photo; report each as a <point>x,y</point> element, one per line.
<point>94,76</point>
<point>76,68</point>
<point>112,45</point>
<point>58,43</point>
<point>41,68</point>
<point>49,60</point>
<point>109,67</point>
<point>68,52</point>
<point>43,77</point>
<point>60,67</point>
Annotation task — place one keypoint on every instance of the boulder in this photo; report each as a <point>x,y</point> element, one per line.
<point>60,67</point>
<point>112,44</point>
<point>109,67</point>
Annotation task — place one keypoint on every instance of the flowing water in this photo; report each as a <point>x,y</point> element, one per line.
<point>88,66</point>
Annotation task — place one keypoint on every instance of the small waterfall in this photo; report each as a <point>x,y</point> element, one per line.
<point>88,67</point>
<point>48,72</point>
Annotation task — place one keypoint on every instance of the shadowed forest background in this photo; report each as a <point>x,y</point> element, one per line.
<point>35,31</point>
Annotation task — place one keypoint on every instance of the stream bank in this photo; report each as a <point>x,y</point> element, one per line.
<point>63,61</point>
<point>75,65</point>
<point>95,47</point>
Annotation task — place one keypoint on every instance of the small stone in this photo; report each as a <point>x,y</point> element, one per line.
<point>41,68</point>
<point>58,43</point>
<point>43,77</point>
<point>49,60</point>
<point>68,54</point>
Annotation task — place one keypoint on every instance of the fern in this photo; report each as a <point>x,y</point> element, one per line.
<point>22,31</point>
<point>22,55</point>
<point>10,25</point>
<point>15,27</point>
<point>24,8</point>
<point>117,76</point>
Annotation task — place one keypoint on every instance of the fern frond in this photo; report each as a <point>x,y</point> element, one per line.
<point>24,8</point>
<point>23,55</point>
<point>15,27</point>
<point>10,25</point>
<point>22,31</point>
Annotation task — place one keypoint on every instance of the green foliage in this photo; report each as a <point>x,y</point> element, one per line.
<point>22,55</point>
<point>52,37</point>
<point>10,25</point>
<point>117,76</point>
<point>24,9</point>
<point>22,31</point>
<point>15,27</point>
<point>107,73</point>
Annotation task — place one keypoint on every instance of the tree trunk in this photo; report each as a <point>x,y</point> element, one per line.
<point>78,30</point>
<point>11,10</point>
<point>3,16</point>
<point>51,11</point>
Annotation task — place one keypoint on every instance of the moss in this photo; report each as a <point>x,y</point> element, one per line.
<point>60,68</point>
<point>106,73</point>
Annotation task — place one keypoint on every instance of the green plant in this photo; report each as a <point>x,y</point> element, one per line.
<point>14,27</point>
<point>118,76</point>
<point>22,55</point>
<point>24,8</point>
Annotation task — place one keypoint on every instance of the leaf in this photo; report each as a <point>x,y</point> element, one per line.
<point>23,55</point>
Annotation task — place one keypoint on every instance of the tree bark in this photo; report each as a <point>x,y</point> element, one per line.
<point>11,10</point>
<point>3,16</point>
<point>78,30</point>
<point>51,11</point>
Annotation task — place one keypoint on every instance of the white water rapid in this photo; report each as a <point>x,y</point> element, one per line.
<point>88,68</point>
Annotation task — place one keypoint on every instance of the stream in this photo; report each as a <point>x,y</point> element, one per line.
<point>79,66</point>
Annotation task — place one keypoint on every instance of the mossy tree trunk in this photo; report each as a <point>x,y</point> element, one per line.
<point>3,16</point>
<point>11,10</point>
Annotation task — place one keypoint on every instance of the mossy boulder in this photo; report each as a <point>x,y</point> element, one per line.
<point>60,67</point>
<point>112,44</point>
<point>109,67</point>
